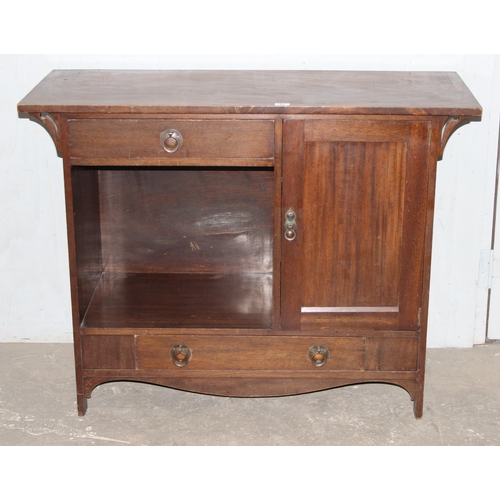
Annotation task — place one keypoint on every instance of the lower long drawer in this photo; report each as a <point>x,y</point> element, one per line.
<point>249,353</point>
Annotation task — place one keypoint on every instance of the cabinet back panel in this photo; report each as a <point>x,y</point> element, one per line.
<point>187,220</point>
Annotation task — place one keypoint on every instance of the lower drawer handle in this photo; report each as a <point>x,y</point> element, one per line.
<point>180,355</point>
<point>318,355</point>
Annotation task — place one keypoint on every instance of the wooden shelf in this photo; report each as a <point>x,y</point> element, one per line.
<point>151,300</point>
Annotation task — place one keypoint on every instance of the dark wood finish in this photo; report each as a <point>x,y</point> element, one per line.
<point>188,248</point>
<point>293,160</point>
<point>237,385</point>
<point>358,219</point>
<point>108,351</point>
<point>248,353</point>
<point>153,300</point>
<point>436,150</point>
<point>288,92</point>
<point>278,131</point>
<point>272,353</point>
<point>125,142</point>
<point>187,220</point>
<point>358,255</point>
<point>391,354</point>
<point>87,228</point>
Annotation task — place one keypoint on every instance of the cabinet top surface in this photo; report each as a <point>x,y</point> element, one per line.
<point>273,92</point>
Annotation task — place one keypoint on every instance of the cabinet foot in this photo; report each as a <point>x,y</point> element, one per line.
<point>418,407</point>
<point>81,402</point>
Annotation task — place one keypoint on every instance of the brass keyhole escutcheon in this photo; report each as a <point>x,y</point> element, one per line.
<point>180,355</point>
<point>318,355</point>
<point>290,225</point>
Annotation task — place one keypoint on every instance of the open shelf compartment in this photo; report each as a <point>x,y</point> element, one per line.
<point>181,301</point>
<point>174,247</point>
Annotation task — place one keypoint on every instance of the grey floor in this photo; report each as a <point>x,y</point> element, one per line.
<point>38,407</point>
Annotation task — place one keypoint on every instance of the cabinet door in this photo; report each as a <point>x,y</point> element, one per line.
<point>358,189</point>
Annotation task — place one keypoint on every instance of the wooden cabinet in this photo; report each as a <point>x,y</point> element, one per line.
<point>250,233</point>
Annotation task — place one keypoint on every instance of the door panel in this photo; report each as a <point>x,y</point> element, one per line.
<point>353,196</point>
<point>359,190</point>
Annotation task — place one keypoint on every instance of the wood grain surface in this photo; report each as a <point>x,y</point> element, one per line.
<point>188,247</point>
<point>289,92</point>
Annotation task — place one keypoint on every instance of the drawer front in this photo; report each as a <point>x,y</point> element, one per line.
<point>248,353</point>
<point>164,141</point>
<point>220,353</point>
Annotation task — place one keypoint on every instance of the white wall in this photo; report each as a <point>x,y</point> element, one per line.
<point>34,282</point>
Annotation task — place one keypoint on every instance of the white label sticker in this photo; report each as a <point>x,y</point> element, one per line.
<point>282,104</point>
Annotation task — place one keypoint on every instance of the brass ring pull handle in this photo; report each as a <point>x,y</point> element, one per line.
<point>180,355</point>
<point>290,225</point>
<point>171,140</point>
<point>318,355</point>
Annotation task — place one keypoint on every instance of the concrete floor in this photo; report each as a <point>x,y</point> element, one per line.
<point>38,407</point>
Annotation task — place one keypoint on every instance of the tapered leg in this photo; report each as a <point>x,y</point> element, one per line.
<point>418,404</point>
<point>81,401</point>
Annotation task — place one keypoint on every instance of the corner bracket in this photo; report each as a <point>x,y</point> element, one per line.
<point>451,124</point>
<point>49,122</point>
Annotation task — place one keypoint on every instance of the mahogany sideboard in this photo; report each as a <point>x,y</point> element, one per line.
<point>250,233</point>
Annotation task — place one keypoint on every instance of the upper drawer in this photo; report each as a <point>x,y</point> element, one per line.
<point>146,142</point>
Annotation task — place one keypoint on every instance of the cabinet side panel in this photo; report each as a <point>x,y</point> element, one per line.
<point>86,213</point>
<point>417,207</point>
